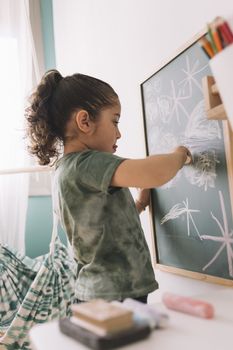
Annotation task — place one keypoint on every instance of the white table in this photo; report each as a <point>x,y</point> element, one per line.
<point>183,332</point>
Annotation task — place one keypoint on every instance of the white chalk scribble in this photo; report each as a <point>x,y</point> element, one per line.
<point>203,173</point>
<point>152,88</point>
<point>165,105</point>
<point>180,209</point>
<point>154,136</point>
<point>225,238</point>
<point>153,113</point>
<point>199,127</point>
<point>202,138</point>
<point>160,142</point>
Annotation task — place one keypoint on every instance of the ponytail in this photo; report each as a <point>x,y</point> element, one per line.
<point>43,136</point>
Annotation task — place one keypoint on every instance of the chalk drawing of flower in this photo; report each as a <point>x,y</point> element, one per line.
<point>165,104</point>
<point>191,71</point>
<point>182,209</point>
<point>152,113</point>
<point>151,89</point>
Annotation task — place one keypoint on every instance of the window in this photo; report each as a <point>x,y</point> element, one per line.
<point>11,105</point>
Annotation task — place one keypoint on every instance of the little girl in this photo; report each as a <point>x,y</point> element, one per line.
<point>78,116</point>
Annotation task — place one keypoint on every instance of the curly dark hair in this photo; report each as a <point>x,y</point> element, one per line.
<point>51,107</point>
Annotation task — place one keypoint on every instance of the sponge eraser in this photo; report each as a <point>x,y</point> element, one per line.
<point>188,305</point>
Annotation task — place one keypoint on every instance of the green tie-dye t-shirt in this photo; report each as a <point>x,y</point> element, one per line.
<point>103,227</point>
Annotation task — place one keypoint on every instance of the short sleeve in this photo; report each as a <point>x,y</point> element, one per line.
<point>95,169</point>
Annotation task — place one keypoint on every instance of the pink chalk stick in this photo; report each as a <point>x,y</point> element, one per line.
<point>188,305</point>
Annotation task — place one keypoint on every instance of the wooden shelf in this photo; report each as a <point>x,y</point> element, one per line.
<point>213,103</point>
<point>214,89</point>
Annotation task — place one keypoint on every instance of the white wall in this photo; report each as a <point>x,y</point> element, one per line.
<point>123,42</point>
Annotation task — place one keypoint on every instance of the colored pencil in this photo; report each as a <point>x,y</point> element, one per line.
<point>211,39</point>
<point>206,46</point>
<point>216,36</point>
<point>225,30</point>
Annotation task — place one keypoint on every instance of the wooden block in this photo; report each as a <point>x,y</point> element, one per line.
<point>103,314</point>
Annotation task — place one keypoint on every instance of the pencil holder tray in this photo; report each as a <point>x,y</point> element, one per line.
<point>222,69</point>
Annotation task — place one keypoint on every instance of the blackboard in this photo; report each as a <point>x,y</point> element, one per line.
<point>191,214</point>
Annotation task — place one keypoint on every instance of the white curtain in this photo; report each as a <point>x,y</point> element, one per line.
<point>18,70</point>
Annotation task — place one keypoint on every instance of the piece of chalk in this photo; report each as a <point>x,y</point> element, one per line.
<point>189,160</point>
<point>188,305</point>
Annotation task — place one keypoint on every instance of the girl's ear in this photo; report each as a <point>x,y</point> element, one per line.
<point>83,121</point>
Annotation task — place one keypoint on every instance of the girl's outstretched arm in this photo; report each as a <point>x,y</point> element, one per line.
<point>153,171</point>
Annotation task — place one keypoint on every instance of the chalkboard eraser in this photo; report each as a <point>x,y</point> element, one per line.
<point>188,305</point>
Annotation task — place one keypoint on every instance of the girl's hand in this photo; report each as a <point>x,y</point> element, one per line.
<point>186,154</point>
<point>143,199</point>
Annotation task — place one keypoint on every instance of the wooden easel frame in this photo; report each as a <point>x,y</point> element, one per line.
<point>214,110</point>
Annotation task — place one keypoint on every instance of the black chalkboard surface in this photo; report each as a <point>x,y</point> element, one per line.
<point>191,214</point>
